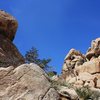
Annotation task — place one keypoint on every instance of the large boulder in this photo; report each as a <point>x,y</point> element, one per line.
<point>9,54</point>
<point>91,67</point>
<point>8,25</point>
<point>68,94</point>
<point>26,82</point>
<point>73,59</point>
<point>94,50</point>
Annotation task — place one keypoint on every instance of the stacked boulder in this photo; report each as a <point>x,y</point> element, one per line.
<point>83,70</point>
<point>9,54</point>
<point>8,25</point>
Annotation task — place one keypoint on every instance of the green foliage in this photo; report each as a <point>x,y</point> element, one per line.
<point>57,84</point>
<point>52,73</point>
<point>85,93</point>
<point>32,56</point>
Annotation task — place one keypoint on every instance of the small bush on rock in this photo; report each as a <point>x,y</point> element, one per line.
<point>85,93</point>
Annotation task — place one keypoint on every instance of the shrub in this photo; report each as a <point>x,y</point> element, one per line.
<point>86,93</point>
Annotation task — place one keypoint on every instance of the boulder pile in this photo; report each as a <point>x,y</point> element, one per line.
<point>80,77</point>
<point>83,70</point>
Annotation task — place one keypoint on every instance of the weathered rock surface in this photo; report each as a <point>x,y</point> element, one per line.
<point>9,54</point>
<point>8,25</point>
<point>83,70</point>
<point>91,67</point>
<point>68,94</point>
<point>72,60</point>
<point>26,82</point>
<point>94,50</point>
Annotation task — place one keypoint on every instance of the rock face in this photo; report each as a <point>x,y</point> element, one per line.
<point>17,81</point>
<point>8,25</point>
<point>9,55</point>
<point>26,82</point>
<point>82,69</point>
<point>72,60</point>
<point>69,94</point>
<point>94,50</point>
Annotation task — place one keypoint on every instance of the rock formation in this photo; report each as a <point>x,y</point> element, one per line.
<point>9,55</point>
<point>94,50</point>
<point>19,81</point>
<point>8,25</point>
<point>83,70</point>
<point>26,82</point>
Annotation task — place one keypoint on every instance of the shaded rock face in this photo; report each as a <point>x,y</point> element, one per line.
<point>9,54</point>
<point>26,82</point>
<point>83,70</point>
<point>8,25</point>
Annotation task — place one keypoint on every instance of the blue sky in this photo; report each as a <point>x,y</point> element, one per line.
<point>54,26</point>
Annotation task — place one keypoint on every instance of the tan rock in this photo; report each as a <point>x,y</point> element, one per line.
<point>63,98</point>
<point>92,67</point>
<point>85,76</point>
<point>55,78</point>
<point>84,79</point>
<point>8,25</point>
<point>94,50</point>
<point>98,83</point>
<point>51,95</point>
<point>73,52</point>
<point>68,93</point>
<point>72,80</point>
<point>74,58</point>
<point>26,82</point>
<point>97,75</point>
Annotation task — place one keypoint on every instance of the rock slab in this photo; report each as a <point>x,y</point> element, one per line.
<point>26,82</point>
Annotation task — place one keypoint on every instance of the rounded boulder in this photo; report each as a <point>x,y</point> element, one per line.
<point>8,25</point>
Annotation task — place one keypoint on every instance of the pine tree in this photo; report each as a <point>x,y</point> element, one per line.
<point>32,56</point>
